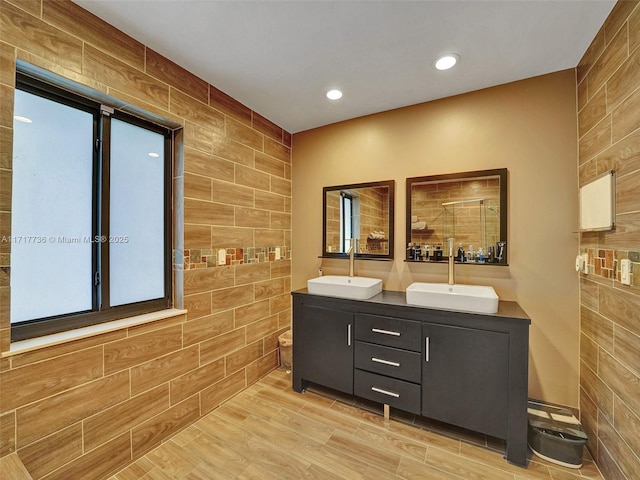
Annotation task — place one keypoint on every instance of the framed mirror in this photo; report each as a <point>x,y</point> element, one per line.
<point>470,207</point>
<point>362,211</point>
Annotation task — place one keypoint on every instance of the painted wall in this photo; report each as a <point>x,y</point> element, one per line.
<point>529,127</point>
<point>609,129</point>
<point>85,409</point>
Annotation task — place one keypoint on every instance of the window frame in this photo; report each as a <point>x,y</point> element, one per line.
<point>101,311</point>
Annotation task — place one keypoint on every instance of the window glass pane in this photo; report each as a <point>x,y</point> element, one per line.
<point>51,270</point>
<point>136,217</point>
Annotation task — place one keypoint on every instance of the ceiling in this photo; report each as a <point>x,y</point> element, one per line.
<point>279,57</point>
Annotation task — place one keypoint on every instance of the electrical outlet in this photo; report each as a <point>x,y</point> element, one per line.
<point>625,271</point>
<point>222,257</point>
<point>585,266</point>
<point>277,253</point>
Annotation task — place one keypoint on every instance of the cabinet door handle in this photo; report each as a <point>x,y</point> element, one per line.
<point>349,335</point>
<point>426,349</point>
<point>386,362</point>
<point>385,332</point>
<point>385,392</point>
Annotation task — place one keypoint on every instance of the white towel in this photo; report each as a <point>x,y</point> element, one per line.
<point>418,225</point>
<point>414,218</point>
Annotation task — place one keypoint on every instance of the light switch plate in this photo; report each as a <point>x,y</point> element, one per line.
<point>625,271</point>
<point>277,253</point>
<point>222,257</point>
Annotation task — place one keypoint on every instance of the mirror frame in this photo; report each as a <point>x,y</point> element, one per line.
<point>390,184</point>
<point>498,172</point>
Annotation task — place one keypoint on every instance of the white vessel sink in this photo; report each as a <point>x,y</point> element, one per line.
<point>464,298</point>
<point>357,288</point>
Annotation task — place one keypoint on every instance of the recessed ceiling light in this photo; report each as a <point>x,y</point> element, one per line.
<point>18,118</point>
<point>153,154</point>
<point>334,94</point>
<point>446,62</point>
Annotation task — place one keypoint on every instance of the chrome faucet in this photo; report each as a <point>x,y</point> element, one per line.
<point>352,257</point>
<point>452,279</point>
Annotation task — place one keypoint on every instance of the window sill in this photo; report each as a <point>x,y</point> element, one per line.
<point>37,343</point>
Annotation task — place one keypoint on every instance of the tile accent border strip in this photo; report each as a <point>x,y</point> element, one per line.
<point>208,257</point>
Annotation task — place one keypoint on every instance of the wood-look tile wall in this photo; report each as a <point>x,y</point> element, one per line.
<point>609,131</point>
<point>87,408</point>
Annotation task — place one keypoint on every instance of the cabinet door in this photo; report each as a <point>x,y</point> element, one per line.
<point>323,343</point>
<point>465,377</point>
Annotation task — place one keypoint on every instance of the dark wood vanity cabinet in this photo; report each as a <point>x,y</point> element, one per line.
<point>469,370</point>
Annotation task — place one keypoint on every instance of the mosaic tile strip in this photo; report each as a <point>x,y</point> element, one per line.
<point>606,263</point>
<point>208,257</point>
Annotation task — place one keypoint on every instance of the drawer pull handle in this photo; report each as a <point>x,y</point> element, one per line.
<point>385,392</point>
<point>386,362</point>
<point>349,335</point>
<point>386,332</point>
<point>426,349</point>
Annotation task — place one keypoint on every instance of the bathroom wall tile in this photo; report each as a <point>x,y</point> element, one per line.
<point>623,120</point>
<point>32,34</point>
<point>251,217</point>
<point>626,233</point>
<point>280,220</point>
<point>243,357</point>
<point>222,345</point>
<point>223,237</point>
<point>197,236</point>
<point>628,193</point>
<point>6,115</point>
<point>623,157</point>
<point>107,69</point>
<point>197,305</point>
<point>593,112</point>
<point>261,367</point>
<point>197,281</point>
<point>251,273</point>
<point>619,450</point>
<point>269,288</point>
<point>99,463</point>
<point>197,112</point>
<point>227,298</point>
<point>281,186</point>
<point>615,53</point>
<point>7,64</point>
<point>244,134</point>
<point>268,164</point>
<point>262,328</point>
<point>589,351</point>
<point>54,413</point>
<point>279,303</point>
<point>75,20</point>
<point>207,213</point>
<point>161,370</point>
<point>583,94</point>
<point>589,420</point>
<point>626,349</point>
<point>204,328</point>
<point>267,127</point>
<point>33,382</point>
<point>228,105</point>
<point>284,319</point>
<point>224,389</point>
<point>286,138</point>
<point>7,433</point>
<point>201,163</point>
<point>281,268</point>
<point>622,381</point>
<point>277,149</point>
<point>616,19</point>
<point>135,350</point>
<point>198,187</point>
<point>623,81</point>
<point>596,140</point>
<point>53,451</point>
<point>252,178</point>
<point>6,147</point>
<point>270,237</point>
<point>34,7</point>
<point>172,74</point>
<point>228,193</point>
<point>151,433</point>
<point>198,137</point>
<point>163,323</point>
<point>250,313</point>
<point>634,30</point>
<point>597,390</point>
<point>621,307</point>
<point>196,380</point>
<point>627,424</point>
<point>231,150</point>
<point>123,417</point>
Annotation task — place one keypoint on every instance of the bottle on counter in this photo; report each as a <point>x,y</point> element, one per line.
<point>480,256</point>
<point>470,255</point>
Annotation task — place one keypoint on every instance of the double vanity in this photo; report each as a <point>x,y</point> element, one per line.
<point>433,351</point>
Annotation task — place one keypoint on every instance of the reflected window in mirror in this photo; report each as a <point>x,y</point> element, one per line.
<point>363,212</point>
<point>470,207</point>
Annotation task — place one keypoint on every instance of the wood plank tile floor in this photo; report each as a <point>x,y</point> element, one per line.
<point>270,432</point>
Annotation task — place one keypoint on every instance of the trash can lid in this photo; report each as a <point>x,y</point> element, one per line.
<point>555,419</point>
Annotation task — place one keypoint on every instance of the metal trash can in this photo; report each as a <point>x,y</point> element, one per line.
<point>555,434</point>
<point>286,346</point>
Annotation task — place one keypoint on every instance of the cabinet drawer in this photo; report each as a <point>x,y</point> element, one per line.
<point>388,361</point>
<point>396,393</point>
<point>393,332</point>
